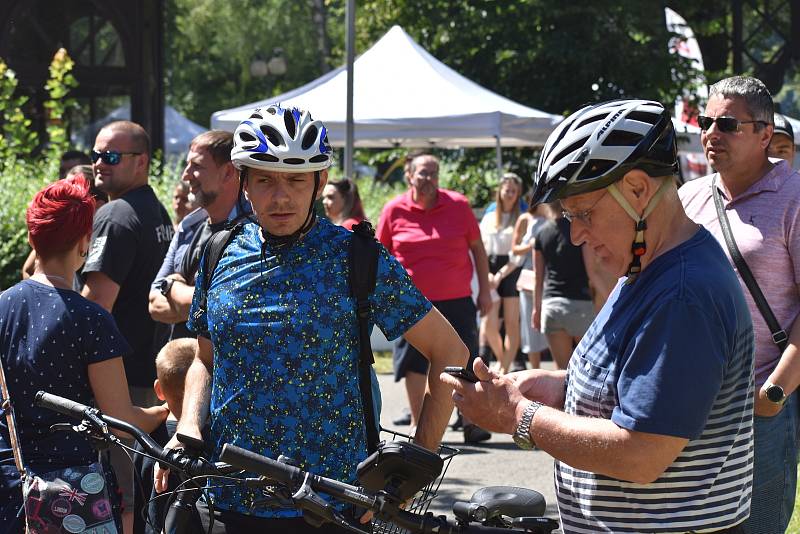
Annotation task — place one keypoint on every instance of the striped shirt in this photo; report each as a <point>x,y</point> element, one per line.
<point>670,354</point>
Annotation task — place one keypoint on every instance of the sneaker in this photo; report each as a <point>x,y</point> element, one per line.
<point>404,419</point>
<point>475,434</point>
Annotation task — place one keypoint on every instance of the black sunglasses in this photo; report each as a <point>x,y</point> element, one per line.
<point>111,157</point>
<point>724,124</point>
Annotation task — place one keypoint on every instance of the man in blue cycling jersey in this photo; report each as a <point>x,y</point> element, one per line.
<point>277,363</point>
<point>651,425</point>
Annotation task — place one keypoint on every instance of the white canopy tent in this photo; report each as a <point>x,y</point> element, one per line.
<point>403,96</point>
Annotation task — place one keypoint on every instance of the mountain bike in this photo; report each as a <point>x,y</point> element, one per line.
<point>397,483</point>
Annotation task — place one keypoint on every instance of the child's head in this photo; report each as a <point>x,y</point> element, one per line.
<point>172,363</point>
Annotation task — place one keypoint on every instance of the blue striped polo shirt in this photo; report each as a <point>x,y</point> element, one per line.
<point>670,354</point>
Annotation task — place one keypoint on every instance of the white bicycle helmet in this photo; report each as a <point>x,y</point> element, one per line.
<point>595,146</point>
<point>280,139</point>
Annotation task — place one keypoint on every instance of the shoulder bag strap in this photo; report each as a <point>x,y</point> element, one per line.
<point>363,258</point>
<point>8,411</point>
<point>779,336</point>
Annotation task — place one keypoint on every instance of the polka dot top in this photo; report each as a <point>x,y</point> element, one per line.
<point>48,338</point>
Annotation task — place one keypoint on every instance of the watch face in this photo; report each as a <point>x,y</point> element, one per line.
<point>775,393</point>
<point>523,443</point>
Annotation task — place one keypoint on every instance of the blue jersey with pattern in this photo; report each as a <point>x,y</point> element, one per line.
<point>285,338</point>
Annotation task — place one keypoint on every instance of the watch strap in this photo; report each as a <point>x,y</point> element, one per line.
<point>522,435</point>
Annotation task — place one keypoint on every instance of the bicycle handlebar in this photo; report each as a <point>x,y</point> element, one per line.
<point>383,507</point>
<point>77,410</point>
<point>302,484</point>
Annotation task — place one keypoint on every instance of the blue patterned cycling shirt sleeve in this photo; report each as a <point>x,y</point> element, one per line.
<point>285,338</point>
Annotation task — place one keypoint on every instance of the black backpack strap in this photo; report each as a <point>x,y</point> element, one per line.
<point>363,273</point>
<point>212,253</point>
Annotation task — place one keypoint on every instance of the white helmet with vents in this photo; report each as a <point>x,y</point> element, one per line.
<point>281,139</point>
<point>597,145</point>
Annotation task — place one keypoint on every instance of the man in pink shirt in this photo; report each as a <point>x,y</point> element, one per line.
<point>761,199</point>
<point>431,231</point>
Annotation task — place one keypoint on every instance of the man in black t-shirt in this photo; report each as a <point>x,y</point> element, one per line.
<point>130,237</point>
<point>563,304</point>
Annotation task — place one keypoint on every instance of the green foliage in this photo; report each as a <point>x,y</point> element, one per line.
<point>16,138</point>
<point>58,87</point>
<point>549,54</point>
<point>164,174</point>
<point>210,46</point>
<point>19,181</point>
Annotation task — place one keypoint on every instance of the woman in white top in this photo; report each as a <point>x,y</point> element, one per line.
<point>497,229</point>
<point>528,224</point>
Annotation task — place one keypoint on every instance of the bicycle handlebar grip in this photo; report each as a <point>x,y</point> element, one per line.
<point>255,463</point>
<point>60,404</point>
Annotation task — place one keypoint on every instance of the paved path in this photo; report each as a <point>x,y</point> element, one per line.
<point>495,462</point>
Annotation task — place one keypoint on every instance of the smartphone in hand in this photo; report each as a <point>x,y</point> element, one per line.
<point>461,372</point>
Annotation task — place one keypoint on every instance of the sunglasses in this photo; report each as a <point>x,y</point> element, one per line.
<point>111,157</point>
<point>724,124</point>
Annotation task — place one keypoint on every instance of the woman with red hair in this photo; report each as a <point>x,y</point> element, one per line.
<point>53,339</point>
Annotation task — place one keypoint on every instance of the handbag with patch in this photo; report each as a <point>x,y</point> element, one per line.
<point>73,499</point>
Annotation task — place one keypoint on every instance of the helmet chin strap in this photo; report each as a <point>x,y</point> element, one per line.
<point>285,241</point>
<point>639,246</point>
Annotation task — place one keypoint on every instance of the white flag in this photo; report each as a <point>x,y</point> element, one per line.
<point>686,46</point>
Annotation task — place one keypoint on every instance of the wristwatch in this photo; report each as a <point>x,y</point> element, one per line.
<point>774,393</point>
<point>165,286</point>
<point>522,435</point>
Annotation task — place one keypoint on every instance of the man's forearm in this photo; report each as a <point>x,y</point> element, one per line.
<point>787,372</point>
<point>600,446</point>
<point>437,405</point>
<point>196,398</point>
<point>161,310</point>
<point>181,299</point>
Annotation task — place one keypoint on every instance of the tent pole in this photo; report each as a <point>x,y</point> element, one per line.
<point>350,52</point>
<point>498,158</point>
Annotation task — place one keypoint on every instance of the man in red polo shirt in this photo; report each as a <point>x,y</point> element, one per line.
<point>431,231</point>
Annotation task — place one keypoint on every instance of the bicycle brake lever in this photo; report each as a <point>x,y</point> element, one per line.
<point>316,510</point>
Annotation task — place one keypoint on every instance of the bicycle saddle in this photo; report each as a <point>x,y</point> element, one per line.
<point>495,501</point>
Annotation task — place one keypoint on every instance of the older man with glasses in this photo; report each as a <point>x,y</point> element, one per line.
<point>759,197</point>
<point>130,237</point>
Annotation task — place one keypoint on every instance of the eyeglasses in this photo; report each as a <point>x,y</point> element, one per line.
<point>584,216</point>
<point>724,124</point>
<point>111,157</point>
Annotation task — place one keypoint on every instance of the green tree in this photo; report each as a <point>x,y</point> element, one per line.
<point>549,54</point>
<point>211,44</point>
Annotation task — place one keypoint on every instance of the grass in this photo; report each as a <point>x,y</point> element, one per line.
<point>794,524</point>
<point>383,362</point>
